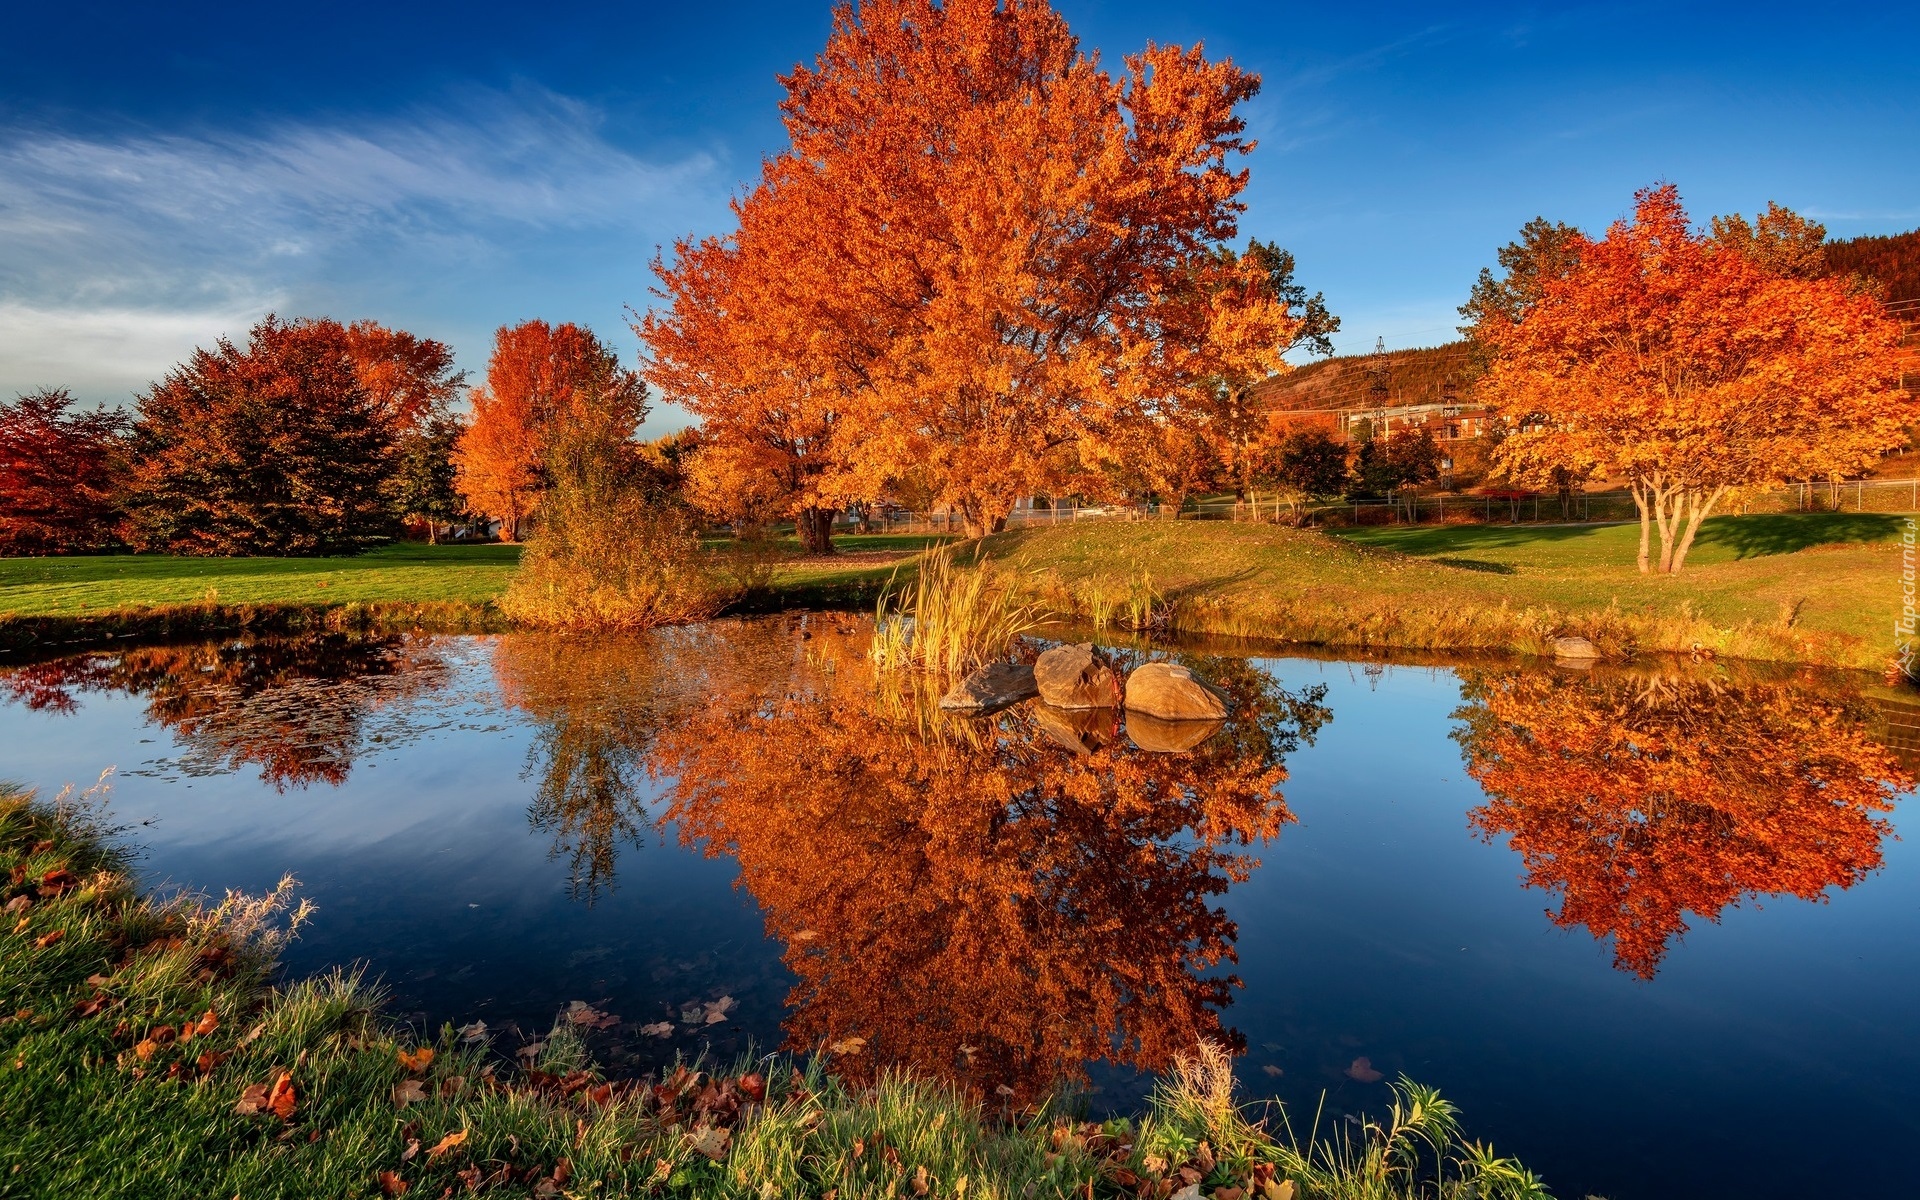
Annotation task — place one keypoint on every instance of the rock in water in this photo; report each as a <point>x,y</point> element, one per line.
<point>1173,693</point>
<point>1076,677</point>
<point>1159,736</point>
<point>1081,730</point>
<point>1575,648</point>
<point>994,686</point>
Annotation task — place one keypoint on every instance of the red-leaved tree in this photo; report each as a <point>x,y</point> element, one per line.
<point>58,472</point>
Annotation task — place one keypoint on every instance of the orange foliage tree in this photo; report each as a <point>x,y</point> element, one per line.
<point>1639,799</point>
<point>1689,368</point>
<point>981,256</point>
<point>538,377</point>
<point>975,900</point>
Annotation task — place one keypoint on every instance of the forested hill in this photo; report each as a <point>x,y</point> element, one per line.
<point>1347,381</point>
<point>1894,260</point>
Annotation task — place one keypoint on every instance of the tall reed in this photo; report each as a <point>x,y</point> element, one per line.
<point>949,618</point>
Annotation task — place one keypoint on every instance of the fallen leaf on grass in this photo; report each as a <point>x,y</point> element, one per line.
<point>391,1184</point>
<point>1362,1070</point>
<point>447,1145</point>
<point>18,904</point>
<point>58,880</point>
<point>48,939</point>
<point>252,1100</point>
<point>416,1060</point>
<point>407,1092</point>
<point>281,1098</point>
<point>711,1141</point>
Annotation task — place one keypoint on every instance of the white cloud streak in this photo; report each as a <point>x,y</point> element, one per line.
<point>117,253</point>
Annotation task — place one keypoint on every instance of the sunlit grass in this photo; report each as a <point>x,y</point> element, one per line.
<point>1797,588</point>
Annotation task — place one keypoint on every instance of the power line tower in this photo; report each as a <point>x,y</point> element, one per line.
<point>1379,386</point>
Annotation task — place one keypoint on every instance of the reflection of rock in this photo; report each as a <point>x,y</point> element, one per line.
<point>1076,677</point>
<point>1161,736</point>
<point>993,686</point>
<point>1575,649</point>
<point>1173,693</point>
<point>1081,730</point>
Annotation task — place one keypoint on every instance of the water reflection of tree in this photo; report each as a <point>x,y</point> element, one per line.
<point>974,900</point>
<point>1638,799</point>
<point>296,707</point>
<point>596,706</point>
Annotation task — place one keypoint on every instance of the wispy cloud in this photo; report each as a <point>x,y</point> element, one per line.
<point>160,235</point>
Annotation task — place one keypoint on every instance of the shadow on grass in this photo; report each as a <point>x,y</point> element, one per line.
<point>1763,534</point>
<point>1475,564</point>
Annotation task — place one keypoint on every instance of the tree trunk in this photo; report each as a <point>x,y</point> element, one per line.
<point>1699,510</point>
<point>981,515</point>
<point>815,529</point>
<point>1640,500</point>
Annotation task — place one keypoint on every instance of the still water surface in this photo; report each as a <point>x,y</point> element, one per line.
<point>1653,929</point>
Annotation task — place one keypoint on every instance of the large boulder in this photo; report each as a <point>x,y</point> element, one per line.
<point>1081,730</point>
<point>993,687</point>
<point>1160,736</point>
<point>1076,677</point>
<point>1173,693</point>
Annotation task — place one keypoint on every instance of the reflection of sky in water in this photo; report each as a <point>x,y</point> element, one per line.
<point>1378,926</point>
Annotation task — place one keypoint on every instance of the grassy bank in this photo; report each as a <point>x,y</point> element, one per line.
<point>149,1052</point>
<point>1802,588</point>
<point>48,603</point>
<point>1816,588</point>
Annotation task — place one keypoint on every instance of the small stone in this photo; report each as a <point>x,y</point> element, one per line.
<point>1173,693</point>
<point>1076,677</point>
<point>994,686</point>
<point>1574,647</point>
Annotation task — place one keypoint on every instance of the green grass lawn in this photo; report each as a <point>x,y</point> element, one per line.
<point>1819,587</point>
<point>402,573</point>
<point>405,573</point>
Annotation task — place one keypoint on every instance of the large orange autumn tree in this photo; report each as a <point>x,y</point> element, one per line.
<point>538,376</point>
<point>982,257</point>
<point>1686,367</point>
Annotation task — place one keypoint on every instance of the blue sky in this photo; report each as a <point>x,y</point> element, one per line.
<point>170,172</point>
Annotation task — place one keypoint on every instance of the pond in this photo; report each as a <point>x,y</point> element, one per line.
<point>1652,928</point>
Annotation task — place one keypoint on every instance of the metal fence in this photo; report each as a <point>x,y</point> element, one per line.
<point>1501,508</point>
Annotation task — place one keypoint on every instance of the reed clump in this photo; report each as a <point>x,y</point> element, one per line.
<point>949,617</point>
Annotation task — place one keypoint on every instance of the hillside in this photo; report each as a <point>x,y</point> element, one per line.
<point>1893,260</point>
<point>1417,376</point>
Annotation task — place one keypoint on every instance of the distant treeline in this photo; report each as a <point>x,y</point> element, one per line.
<point>1893,260</point>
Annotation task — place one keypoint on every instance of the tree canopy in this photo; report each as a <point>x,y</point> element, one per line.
<point>1664,357</point>
<point>983,255</point>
